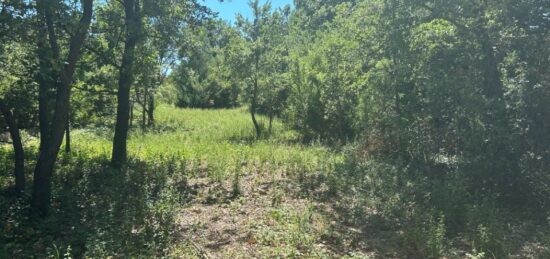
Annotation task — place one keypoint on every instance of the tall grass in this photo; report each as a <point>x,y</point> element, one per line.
<point>99,212</point>
<point>210,142</point>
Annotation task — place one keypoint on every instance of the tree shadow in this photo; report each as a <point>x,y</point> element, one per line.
<point>352,228</point>
<point>96,212</point>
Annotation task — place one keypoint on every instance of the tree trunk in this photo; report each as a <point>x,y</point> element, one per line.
<point>255,90</point>
<point>46,160</point>
<point>45,85</point>
<point>125,81</point>
<point>253,109</point>
<point>19,170</point>
<point>151,110</point>
<point>270,120</point>
<point>131,120</point>
<point>68,133</point>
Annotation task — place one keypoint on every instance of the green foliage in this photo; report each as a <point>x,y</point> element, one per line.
<point>292,234</point>
<point>203,79</point>
<point>236,184</point>
<point>436,237</point>
<point>17,87</point>
<point>488,231</point>
<point>326,77</point>
<point>422,122</point>
<point>426,239</point>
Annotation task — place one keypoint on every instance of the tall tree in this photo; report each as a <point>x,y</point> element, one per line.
<point>157,23</point>
<point>133,26</point>
<point>48,155</point>
<point>257,36</point>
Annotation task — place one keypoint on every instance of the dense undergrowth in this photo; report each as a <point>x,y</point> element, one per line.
<point>199,185</point>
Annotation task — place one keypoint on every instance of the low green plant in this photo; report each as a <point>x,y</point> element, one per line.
<point>236,186</point>
<point>475,255</point>
<point>291,233</point>
<point>487,230</point>
<point>276,198</point>
<point>436,236</point>
<point>60,252</point>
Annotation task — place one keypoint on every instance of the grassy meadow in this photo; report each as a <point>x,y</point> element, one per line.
<point>194,160</point>
<point>199,185</point>
<point>213,142</point>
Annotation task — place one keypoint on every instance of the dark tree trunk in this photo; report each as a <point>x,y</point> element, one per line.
<point>46,160</point>
<point>271,115</point>
<point>43,114</point>
<point>131,120</point>
<point>151,110</point>
<point>68,134</point>
<point>19,170</point>
<point>125,81</point>
<point>45,85</point>
<point>253,109</point>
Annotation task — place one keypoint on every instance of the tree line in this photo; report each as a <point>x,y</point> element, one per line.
<point>441,89</point>
<point>64,59</point>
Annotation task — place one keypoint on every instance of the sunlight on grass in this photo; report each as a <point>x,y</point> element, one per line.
<point>213,140</point>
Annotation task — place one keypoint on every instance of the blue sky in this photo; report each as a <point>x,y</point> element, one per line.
<point>229,8</point>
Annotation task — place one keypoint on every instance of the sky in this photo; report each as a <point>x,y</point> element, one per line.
<point>229,8</point>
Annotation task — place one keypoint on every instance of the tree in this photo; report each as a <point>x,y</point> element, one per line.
<point>143,22</point>
<point>263,55</point>
<point>327,72</point>
<point>19,168</point>
<point>56,128</point>
<point>277,62</point>
<point>133,23</point>
<point>16,84</point>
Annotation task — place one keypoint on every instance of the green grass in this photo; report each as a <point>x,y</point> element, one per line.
<point>99,212</point>
<point>216,141</point>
